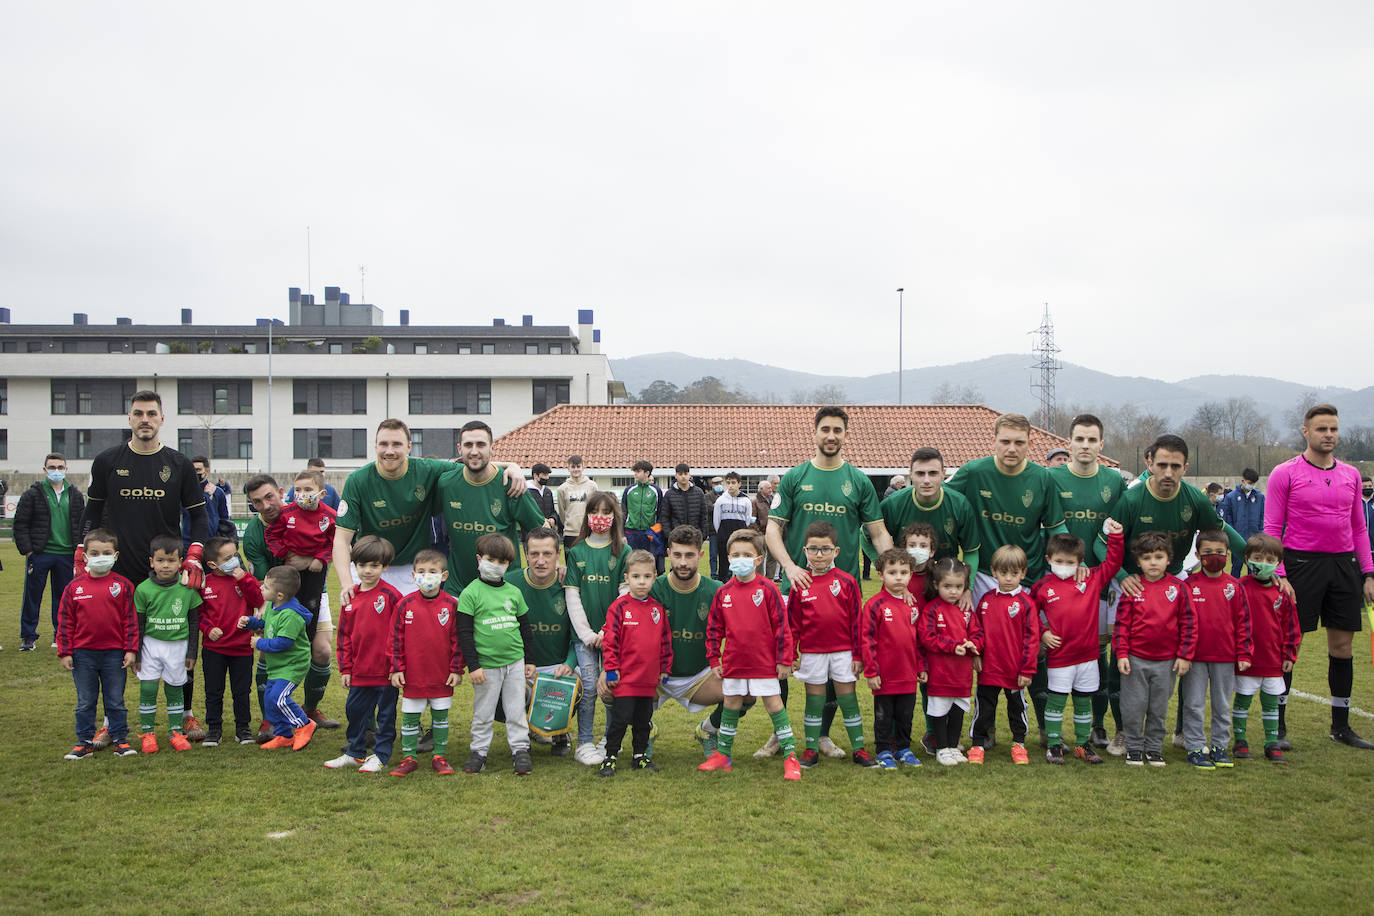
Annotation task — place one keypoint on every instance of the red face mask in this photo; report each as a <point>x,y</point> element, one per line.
<point>1213,562</point>
<point>600,524</point>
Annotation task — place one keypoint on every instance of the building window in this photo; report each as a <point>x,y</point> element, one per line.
<point>442,396</point>
<point>4,445</point>
<point>421,349</point>
<point>35,346</point>
<point>531,349</point>
<point>116,347</point>
<point>550,392</point>
<point>141,346</point>
<point>216,442</point>
<point>250,348</point>
<point>87,443</point>
<point>620,483</point>
<point>433,443</point>
<point>84,401</point>
<point>68,346</point>
<point>488,349</point>
<point>329,443</point>
<point>4,396</point>
<point>329,396</point>
<point>92,396</point>
<point>555,349</point>
<point>335,348</point>
<point>465,349</point>
<point>223,396</point>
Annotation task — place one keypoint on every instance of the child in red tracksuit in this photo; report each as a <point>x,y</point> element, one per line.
<point>637,653</point>
<point>1275,639</point>
<point>892,660</point>
<point>1011,649</point>
<point>303,536</point>
<point>228,594</point>
<point>950,638</point>
<point>426,662</point>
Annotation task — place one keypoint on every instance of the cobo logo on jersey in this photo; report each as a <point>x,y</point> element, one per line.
<point>596,577</point>
<point>547,627</point>
<point>689,635</point>
<point>396,522</point>
<point>142,493</point>
<point>475,527</point>
<point>1005,518</point>
<point>825,508</point>
<point>1083,515</point>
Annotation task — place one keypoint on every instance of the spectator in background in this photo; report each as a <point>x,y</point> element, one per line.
<point>544,495</point>
<point>1056,457</point>
<point>47,528</point>
<point>331,495</point>
<point>713,492</point>
<point>731,512</point>
<point>686,504</point>
<point>763,502</point>
<point>1215,494</point>
<point>897,483</point>
<point>1243,510</point>
<point>216,505</point>
<point>644,508</point>
<point>573,494</point>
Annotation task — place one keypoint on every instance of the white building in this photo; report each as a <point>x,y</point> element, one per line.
<point>331,374</point>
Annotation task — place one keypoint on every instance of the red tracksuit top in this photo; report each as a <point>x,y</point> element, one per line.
<point>1275,634</point>
<point>1011,637</point>
<point>750,619</point>
<point>424,644</point>
<point>1158,625</point>
<point>97,612</point>
<point>366,628</point>
<point>1070,611</point>
<point>891,646</point>
<point>916,585</point>
<point>309,534</point>
<point>825,617</point>
<point>638,642</point>
<point>223,600</point>
<point>1223,619</point>
<point>942,626</point>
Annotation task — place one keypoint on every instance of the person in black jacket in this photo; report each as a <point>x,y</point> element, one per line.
<point>686,503</point>
<point>543,495</point>
<point>47,528</point>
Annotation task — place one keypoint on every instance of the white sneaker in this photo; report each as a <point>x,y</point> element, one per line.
<point>959,754</point>
<point>769,749</point>
<point>946,756</point>
<point>589,755</point>
<point>828,748</point>
<point>338,763</point>
<point>601,748</point>
<point>373,764</point>
<point>1117,746</point>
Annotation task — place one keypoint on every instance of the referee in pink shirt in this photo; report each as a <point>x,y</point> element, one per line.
<point>1315,506</point>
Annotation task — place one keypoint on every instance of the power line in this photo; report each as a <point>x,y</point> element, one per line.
<point>1047,362</point>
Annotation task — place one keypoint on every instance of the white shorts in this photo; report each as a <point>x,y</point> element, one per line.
<point>819,667</point>
<point>400,577</point>
<point>163,660</point>
<point>1249,686</point>
<point>418,704</point>
<point>939,706</point>
<point>1081,677</point>
<point>682,689</point>
<point>325,619</point>
<point>750,687</point>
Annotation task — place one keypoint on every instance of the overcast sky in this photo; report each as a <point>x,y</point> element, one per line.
<point>1187,185</point>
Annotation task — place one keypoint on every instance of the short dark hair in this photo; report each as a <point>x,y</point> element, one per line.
<point>315,462</point>
<point>169,543</point>
<point>541,468</point>
<point>1264,543</point>
<point>642,465</point>
<point>945,566</point>
<point>471,425</point>
<point>1086,419</point>
<point>258,481</point>
<point>916,529</point>
<point>927,453</point>
<point>1212,536</point>
<point>746,534</point>
<point>284,579</point>
<point>393,423</point>
<point>1150,542</point>
<point>148,394</point>
<point>682,468</point>
<point>733,475</point>
<point>102,536</point>
<point>575,460</point>
<point>214,546</point>
<point>1214,487</point>
<point>689,535</point>
<point>430,556</point>
<point>1315,410</point>
<point>542,533</point>
<point>822,529</point>
<point>1250,474</point>
<point>311,475</point>
<point>1170,443</point>
<point>201,459</point>
<point>55,456</point>
<point>893,556</point>
<point>496,546</point>
<point>371,549</point>
<point>831,410</point>
<point>1065,543</point>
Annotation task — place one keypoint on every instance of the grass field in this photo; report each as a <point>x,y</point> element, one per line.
<point>235,828</point>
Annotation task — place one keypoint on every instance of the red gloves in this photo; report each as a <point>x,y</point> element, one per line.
<point>79,561</point>
<point>192,575</point>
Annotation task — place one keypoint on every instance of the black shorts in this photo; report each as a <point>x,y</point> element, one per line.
<point>1329,587</point>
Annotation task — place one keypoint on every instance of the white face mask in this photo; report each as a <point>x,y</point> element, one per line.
<point>919,555</point>
<point>308,501</point>
<point>101,564</point>
<point>492,572</point>
<point>741,566</point>
<point>1063,570</point>
<point>229,565</point>
<point>429,582</point>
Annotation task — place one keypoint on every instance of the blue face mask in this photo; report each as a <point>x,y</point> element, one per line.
<point>718,488</point>
<point>741,566</point>
<point>57,476</point>
<point>229,565</point>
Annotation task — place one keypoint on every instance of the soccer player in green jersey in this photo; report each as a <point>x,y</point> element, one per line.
<point>552,643</point>
<point>925,499</point>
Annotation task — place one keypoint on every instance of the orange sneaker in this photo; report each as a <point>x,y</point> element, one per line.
<point>179,742</point>
<point>441,766</point>
<point>102,738</point>
<point>717,761</point>
<point>192,729</point>
<point>975,754</point>
<point>303,736</point>
<point>149,743</point>
<point>1018,754</point>
<point>406,767</point>
<point>264,732</point>
<point>791,768</point>
<point>273,744</point>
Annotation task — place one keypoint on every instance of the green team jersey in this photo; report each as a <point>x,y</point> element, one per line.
<point>293,664</point>
<point>254,543</point>
<point>687,612</point>
<point>1088,501</point>
<point>495,611</point>
<point>597,576</point>
<point>1011,509</point>
<point>552,634</point>
<point>395,510</point>
<point>842,496</point>
<point>1180,516</point>
<point>167,609</point>
<point>954,521</point>
<point>471,509</point>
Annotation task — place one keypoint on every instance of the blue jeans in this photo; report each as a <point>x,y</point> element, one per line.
<point>588,670</point>
<point>37,570</point>
<point>99,673</point>
<point>362,702</point>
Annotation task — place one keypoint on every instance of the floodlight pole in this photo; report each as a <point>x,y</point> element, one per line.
<point>900,290</point>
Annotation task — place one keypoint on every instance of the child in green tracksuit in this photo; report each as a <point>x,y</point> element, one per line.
<point>286,645</point>
<point>168,624</point>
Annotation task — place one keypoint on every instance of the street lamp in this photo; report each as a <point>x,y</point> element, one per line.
<point>900,290</point>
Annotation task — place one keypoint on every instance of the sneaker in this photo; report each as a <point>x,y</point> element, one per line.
<point>863,758</point>
<point>1135,759</point>
<point>707,739</point>
<point>1018,753</point>
<point>1283,740</point>
<point>1155,759</point>
<point>958,754</point>
<point>124,749</point>
<point>149,741</point>
<point>1241,750</point>
<point>976,754</point>
<point>828,748</point>
<point>192,729</point>
<point>810,758</point>
<point>588,754</point>
<point>373,764</point>
<point>644,762</point>
<point>601,747</point>
<point>1343,735</point>
<point>1117,746</point>
<point>522,762</point>
<point>440,765</point>
<point>80,752</point>
<point>320,719</point>
<point>928,744</point>
<point>26,646</point>
<point>1220,759</point>
<point>1055,754</point>
<point>1273,754</point>
<point>562,746</point>
<point>1085,753</point>
<point>179,742</point>
<point>278,741</point>
<point>791,768</point>
<point>54,644</point>
<point>1098,736</point>
<point>906,758</point>
<point>770,748</point>
<point>717,761</point>
<point>338,763</point>
<point>243,735</point>
<point>303,736</point>
<point>1177,741</point>
<point>264,733</point>
<point>607,768</point>
<point>536,738</point>
<point>477,761</point>
<point>945,756</point>
<point>101,739</point>
<point>1201,760</point>
<point>885,761</point>
<point>212,740</point>
<point>426,742</point>
<point>407,766</point>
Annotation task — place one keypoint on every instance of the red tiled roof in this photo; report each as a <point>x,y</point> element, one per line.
<point>740,436</point>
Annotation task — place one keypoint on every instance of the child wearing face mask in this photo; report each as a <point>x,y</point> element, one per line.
<point>426,661</point>
<point>493,632</point>
<point>228,594</point>
<point>920,542</point>
<point>1275,638</point>
<point>303,536</point>
<point>1069,633</point>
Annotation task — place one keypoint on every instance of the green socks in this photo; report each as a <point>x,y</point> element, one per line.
<point>438,720</point>
<point>410,733</point>
<point>782,727</point>
<point>729,722</point>
<point>715,716</point>
<point>1082,718</point>
<point>1240,716</point>
<point>147,705</point>
<point>1054,717</point>
<point>175,705</point>
<point>811,719</point>
<point>853,720</point>
<point>1269,710</point>
<point>316,680</point>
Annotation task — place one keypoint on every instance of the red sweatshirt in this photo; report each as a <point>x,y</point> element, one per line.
<point>1011,637</point>
<point>308,534</point>
<point>1223,619</point>
<point>1070,610</point>
<point>1158,625</point>
<point>366,627</point>
<point>942,626</point>
<point>224,600</point>
<point>1274,629</point>
<point>825,616</point>
<point>916,585</point>
<point>890,647</point>
<point>97,612</point>
<point>424,644</point>
<point>751,620</point>
<point>637,642</point>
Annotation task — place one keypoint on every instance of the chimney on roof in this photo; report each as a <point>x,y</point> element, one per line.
<point>263,322</point>
<point>527,321</point>
<point>498,322</point>
<point>405,317</point>
<point>588,340</point>
<point>4,316</point>
<point>343,298</point>
<point>80,318</point>
<point>331,294</point>
<point>123,321</point>
<point>185,316</point>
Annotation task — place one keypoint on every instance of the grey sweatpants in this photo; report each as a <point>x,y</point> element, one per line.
<point>506,684</point>
<point>1192,694</point>
<point>1145,696</point>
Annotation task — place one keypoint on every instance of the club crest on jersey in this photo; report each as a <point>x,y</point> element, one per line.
<point>654,615</point>
<point>176,606</point>
<point>343,508</point>
<point>115,589</point>
<point>1027,498</point>
<point>420,492</point>
<point>380,604</point>
<point>1106,494</point>
<point>703,611</point>
<point>443,616</point>
<point>165,474</point>
<point>1186,513</point>
<point>949,526</point>
<point>324,523</point>
<point>1278,603</point>
<point>496,507</point>
<point>1171,592</point>
<point>914,612</point>
<point>726,602</point>
<point>887,613</point>
<point>835,587</point>
<point>847,488</point>
<point>1229,591</point>
<point>1082,586</point>
<point>758,597</point>
<point>1013,609</point>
